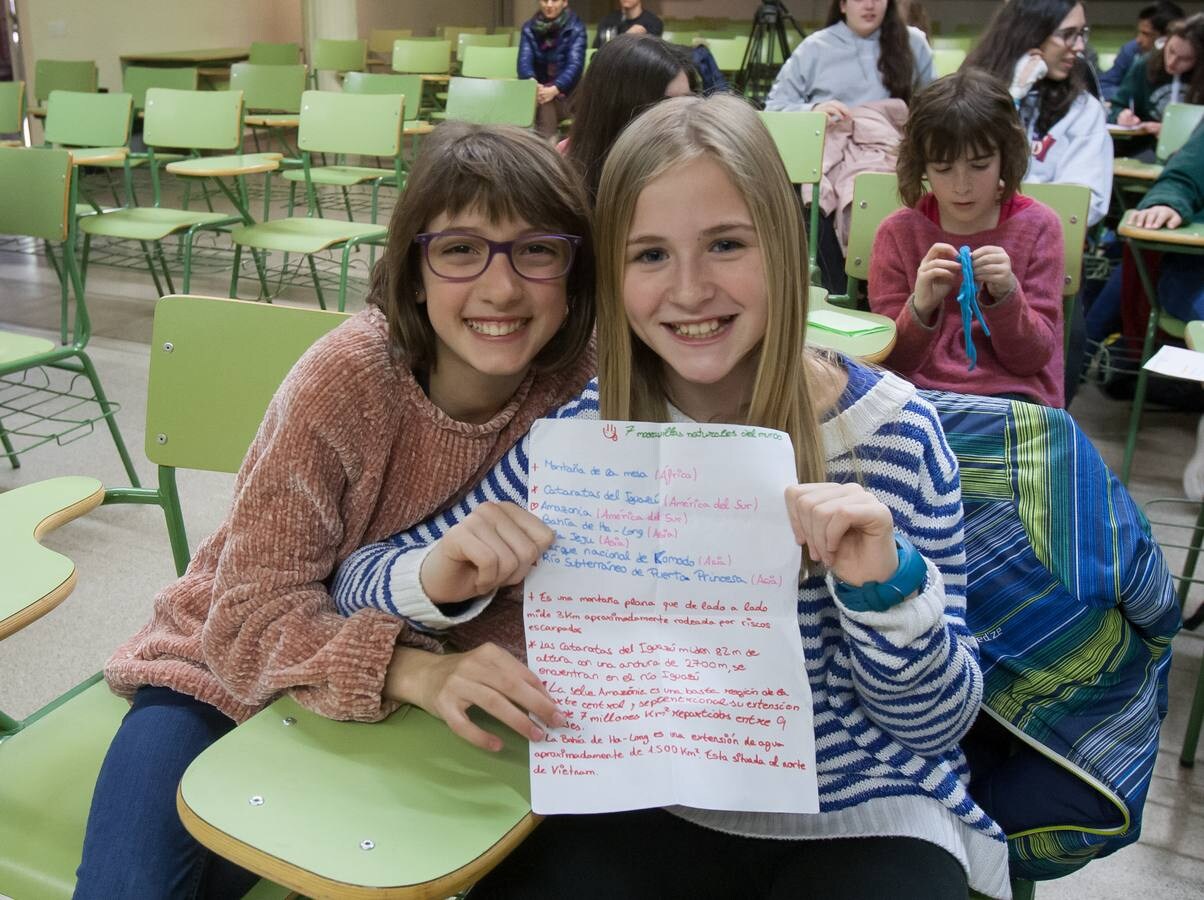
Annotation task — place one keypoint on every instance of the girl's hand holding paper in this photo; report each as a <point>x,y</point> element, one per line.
<point>846,528</point>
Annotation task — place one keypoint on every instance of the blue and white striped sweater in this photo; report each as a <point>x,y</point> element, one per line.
<point>893,692</point>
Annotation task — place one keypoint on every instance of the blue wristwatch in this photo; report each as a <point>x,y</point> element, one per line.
<point>878,596</point>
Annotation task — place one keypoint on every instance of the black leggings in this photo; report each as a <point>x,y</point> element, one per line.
<point>656,855</point>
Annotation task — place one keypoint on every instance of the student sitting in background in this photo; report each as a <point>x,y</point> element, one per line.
<point>1172,73</point>
<point>865,53</point>
<point>628,75</point>
<point>1035,45</point>
<point>963,137</point>
<point>1152,23</point>
<point>551,50</point>
<point>630,17</point>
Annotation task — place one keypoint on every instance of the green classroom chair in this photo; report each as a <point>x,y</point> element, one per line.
<point>408,86</point>
<point>337,123</point>
<point>1179,120</point>
<point>61,75</point>
<point>39,187</point>
<point>470,39</point>
<point>264,53</point>
<point>947,60</point>
<point>271,97</point>
<point>799,137</point>
<point>492,101</point>
<point>451,33</point>
<point>12,111</point>
<point>490,62</point>
<point>94,127</point>
<point>214,366</point>
<point>417,57</point>
<point>136,80</point>
<point>338,56</point>
<point>189,120</point>
<point>728,52</point>
<point>380,40</point>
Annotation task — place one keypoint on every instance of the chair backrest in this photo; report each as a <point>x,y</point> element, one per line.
<point>338,122</point>
<point>409,86</point>
<point>490,62</point>
<point>728,52</point>
<point>215,364</point>
<point>947,60</point>
<point>380,40</point>
<point>269,87</point>
<point>78,119</point>
<point>467,39</point>
<point>36,187</point>
<point>799,137</point>
<point>137,79</point>
<point>193,120</point>
<point>63,75</point>
<point>451,33</point>
<point>331,55</point>
<point>1071,202</point>
<point>875,196</point>
<point>12,106</point>
<point>492,101</point>
<point>1179,120</point>
<point>422,57</point>
<point>264,53</point>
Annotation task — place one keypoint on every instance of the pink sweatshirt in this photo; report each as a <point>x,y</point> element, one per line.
<point>1024,354</point>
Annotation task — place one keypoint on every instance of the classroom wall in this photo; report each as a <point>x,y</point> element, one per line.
<point>424,15</point>
<point>88,29</point>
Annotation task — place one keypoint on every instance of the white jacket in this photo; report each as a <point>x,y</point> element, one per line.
<point>1077,150</point>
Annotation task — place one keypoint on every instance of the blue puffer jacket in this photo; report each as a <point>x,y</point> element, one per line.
<point>567,55</point>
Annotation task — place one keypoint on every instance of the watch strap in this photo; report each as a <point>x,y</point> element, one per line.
<point>879,596</point>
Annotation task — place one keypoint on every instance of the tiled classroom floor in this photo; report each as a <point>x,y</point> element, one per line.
<point>122,555</point>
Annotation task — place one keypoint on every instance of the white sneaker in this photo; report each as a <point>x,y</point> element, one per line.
<point>1193,472</point>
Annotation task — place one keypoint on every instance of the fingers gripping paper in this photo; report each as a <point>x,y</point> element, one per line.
<point>663,620</point>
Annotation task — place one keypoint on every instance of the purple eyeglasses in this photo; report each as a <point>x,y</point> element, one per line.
<point>463,256</point>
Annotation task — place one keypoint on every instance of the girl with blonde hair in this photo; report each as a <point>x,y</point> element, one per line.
<point>702,300</point>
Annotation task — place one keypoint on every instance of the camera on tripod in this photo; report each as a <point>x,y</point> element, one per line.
<point>768,49</point>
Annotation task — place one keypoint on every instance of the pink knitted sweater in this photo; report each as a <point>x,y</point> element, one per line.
<point>350,451</point>
<point>1024,353</point>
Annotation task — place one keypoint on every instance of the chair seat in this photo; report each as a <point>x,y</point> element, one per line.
<point>338,175</point>
<point>137,160</point>
<point>15,347</point>
<point>1123,167</point>
<point>233,164</point>
<point>274,120</point>
<point>49,771</point>
<point>303,235</point>
<point>149,223</point>
<point>36,578</point>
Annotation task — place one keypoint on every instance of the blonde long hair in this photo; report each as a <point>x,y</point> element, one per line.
<point>727,130</point>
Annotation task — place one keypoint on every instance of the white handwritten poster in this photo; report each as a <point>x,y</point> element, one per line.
<point>663,620</point>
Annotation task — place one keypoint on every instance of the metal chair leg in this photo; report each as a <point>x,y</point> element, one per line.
<point>313,270</point>
<point>107,409</point>
<point>1151,331</point>
<point>9,451</point>
<point>150,264</point>
<point>1187,756</point>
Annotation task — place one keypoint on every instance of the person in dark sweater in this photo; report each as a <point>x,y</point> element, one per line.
<point>552,51</point>
<point>629,17</point>
<point>1152,23</point>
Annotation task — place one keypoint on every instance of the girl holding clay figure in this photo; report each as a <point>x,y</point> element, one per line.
<point>702,319</point>
<point>963,139</point>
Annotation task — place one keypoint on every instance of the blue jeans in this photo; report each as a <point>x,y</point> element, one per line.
<point>135,846</point>
<point>1181,286</point>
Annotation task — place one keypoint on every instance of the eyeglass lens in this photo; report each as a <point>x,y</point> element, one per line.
<point>1071,36</point>
<point>466,256</point>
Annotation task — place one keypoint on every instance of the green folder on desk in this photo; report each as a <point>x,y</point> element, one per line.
<point>843,323</point>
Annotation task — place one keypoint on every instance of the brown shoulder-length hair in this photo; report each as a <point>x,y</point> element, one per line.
<point>504,173</point>
<point>1192,31</point>
<point>967,113</point>
<point>896,64</point>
